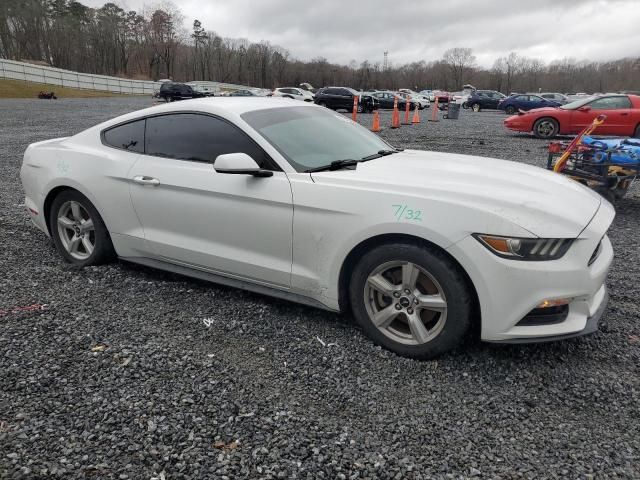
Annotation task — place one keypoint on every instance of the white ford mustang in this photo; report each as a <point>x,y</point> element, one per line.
<point>301,203</point>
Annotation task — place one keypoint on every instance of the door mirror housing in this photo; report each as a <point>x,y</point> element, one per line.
<point>585,108</point>
<point>239,164</point>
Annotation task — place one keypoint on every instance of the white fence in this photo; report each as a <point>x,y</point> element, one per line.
<point>66,78</point>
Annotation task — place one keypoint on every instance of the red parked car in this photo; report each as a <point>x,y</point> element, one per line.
<point>622,111</point>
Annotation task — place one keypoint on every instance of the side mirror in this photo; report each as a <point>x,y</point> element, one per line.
<point>585,108</point>
<point>239,164</point>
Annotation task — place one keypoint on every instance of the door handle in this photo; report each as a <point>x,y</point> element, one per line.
<point>144,180</point>
<point>624,114</point>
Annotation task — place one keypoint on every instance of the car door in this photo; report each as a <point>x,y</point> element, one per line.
<point>330,97</point>
<point>492,100</point>
<point>233,225</point>
<point>534,101</point>
<point>618,111</point>
<point>480,98</point>
<point>345,98</point>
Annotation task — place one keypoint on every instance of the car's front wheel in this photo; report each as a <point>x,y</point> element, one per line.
<point>411,300</point>
<point>78,231</point>
<point>510,110</point>
<point>545,128</point>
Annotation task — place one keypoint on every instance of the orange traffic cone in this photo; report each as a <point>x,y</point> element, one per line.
<point>354,113</point>
<point>416,116</point>
<point>395,118</point>
<point>434,113</point>
<point>376,122</point>
<point>407,108</point>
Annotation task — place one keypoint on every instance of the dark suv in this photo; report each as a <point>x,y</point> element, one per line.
<point>342,97</point>
<point>170,92</point>
<point>484,99</point>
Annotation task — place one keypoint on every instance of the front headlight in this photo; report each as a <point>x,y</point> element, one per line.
<point>530,249</point>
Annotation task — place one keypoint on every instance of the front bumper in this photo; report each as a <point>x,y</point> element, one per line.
<point>509,290</point>
<point>591,326</point>
<point>517,124</point>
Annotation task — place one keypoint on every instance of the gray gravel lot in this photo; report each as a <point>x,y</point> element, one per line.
<point>134,373</point>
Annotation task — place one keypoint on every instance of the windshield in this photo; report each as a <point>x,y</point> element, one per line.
<point>576,103</point>
<point>311,137</point>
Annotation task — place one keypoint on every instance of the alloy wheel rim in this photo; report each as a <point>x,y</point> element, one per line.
<point>76,230</point>
<point>545,129</point>
<point>405,302</point>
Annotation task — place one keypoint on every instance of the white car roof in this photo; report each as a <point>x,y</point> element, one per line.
<point>223,106</point>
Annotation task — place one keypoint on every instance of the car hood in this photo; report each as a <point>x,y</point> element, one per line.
<point>544,203</point>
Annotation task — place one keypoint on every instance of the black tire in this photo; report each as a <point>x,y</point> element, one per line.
<point>103,251</point>
<point>545,128</point>
<point>510,110</point>
<point>449,278</point>
<point>323,104</point>
<point>636,134</point>
<point>360,108</point>
<point>476,107</point>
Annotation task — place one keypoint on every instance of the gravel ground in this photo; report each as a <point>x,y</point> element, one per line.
<point>134,373</point>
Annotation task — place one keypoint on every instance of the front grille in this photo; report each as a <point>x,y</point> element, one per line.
<point>545,316</point>
<point>596,253</point>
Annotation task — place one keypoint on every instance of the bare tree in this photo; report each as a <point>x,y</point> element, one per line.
<point>460,61</point>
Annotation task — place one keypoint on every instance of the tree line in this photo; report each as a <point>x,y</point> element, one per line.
<point>154,44</point>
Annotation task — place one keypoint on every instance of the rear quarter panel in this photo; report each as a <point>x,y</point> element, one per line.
<point>96,171</point>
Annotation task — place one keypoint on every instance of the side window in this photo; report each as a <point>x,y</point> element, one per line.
<point>611,103</point>
<point>522,98</point>
<point>201,138</point>
<point>344,92</point>
<point>129,136</point>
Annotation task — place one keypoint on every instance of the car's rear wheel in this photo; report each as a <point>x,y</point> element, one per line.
<point>360,108</point>
<point>475,107</point>
<point>545,128</point>
<point>637,132</point>
<point>510,110</point>
<point>411,300</point>
<point>78,231</point>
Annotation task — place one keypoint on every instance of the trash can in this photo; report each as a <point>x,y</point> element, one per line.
<point>453,113</point>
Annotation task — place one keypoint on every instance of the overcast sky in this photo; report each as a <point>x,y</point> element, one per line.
<point>412,30</point>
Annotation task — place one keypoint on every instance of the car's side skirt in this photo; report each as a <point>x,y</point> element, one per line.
<point>228,281</point>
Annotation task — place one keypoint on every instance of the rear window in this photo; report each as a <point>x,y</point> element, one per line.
<point>129,136</point>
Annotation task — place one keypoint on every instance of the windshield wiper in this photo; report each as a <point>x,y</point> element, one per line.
<point>380,153</point>
<point>335,165</point>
